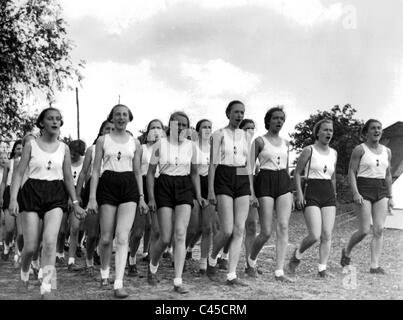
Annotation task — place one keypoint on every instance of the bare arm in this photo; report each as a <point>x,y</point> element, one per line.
<point>84,172</point>
<point>334,178</point>
<point>150,180</point>
<point>3,184</point>
<point>388,180</point>
<point>99,153</point>
<point>137,173</point>
<point>215,143</point>
<point>301,164</point>
<point>352,172</point>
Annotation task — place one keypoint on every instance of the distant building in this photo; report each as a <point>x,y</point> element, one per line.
<point>393,138</point>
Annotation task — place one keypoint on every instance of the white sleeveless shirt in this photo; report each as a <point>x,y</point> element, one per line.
<point>273,157</point>
<point>118,157</point>
<point>322,166</point>
<point>75,171</point>
<point>203,158</point>
<point>45,165</point>
<point>174,159</point>
<point>146,158</point>
<point>372,165</point>
<point>234,147</point>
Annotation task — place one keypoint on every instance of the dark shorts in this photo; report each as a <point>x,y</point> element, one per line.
<point>171,191</point>
<point>115,188</point>
<point>372,189</point>
<point>41,196</point>
<point>270,183</point>
<point>6,197</point>
<point>203,187</point>
<point>320,193</point>
<point>85,193</point>
<point>229,182</point>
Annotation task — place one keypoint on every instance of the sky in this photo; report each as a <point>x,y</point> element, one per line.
<point>196,56</point>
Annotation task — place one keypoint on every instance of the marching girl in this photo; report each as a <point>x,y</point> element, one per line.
<point>230,188</point>
<point>319,202</point>
<point>11,222</point>
<point>153,134</point>
<point>371,183</point>
<point>91,223</point>
<point>176,157</point>
<point>273,190</point>
<point>43,195</point>
<point>117,193</point>
<point>77,150</point>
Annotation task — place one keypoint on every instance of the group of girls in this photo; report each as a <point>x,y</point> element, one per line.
<point>178,186</point>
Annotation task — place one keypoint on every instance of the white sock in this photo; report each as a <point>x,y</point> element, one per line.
<point>45,287</point>
<point>231,276</point>
<point>177,282</point>
<point>203,263</point>
<point>132,260</point>
<point>153,269</point>
<point>72,260</point>
<point>251,262</point>
<point>90,263</point>
<point>24,275</point>
<point>105,273</point>
<point>40,273</point>
<point>321,267</point>
<point>145,254</point>
<point>6,249</point>
<point>59,255</point>
<point>212,262</point>
<point>279,273</point>
<point>298,254</point>
<point>35,264</point>
<point>189,249</point>
<point>118,284</point>
<point>224,256</point>
<point>170,250</point>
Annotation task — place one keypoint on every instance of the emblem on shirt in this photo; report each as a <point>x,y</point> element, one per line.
<point>377,162</point>
<point>49,165</point>
<point>278,160</point>
<point>74,174</point>
<point>119,155</point>
<point>325,169</point>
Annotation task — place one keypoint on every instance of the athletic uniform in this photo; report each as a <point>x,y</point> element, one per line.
<point>117,184</point>
<point>44,189</point>
<point>75,171</point>
<point>174,185</point>
<point>273,179</point>
<point>371,174</point>
<point>320,191</point>
<point>203,159</point>
<point>231,177</point>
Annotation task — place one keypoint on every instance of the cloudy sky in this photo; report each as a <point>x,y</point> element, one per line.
<point>196,56</point>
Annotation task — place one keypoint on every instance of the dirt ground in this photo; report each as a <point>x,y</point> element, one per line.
<point>308,286</point>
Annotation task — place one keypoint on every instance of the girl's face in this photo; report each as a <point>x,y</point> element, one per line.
<point>205,130</point>
<point>51,122</point>
<point>325,132</point>
<point>107,128</point>
<point>120,117</point>
<point>374,133</point>
<point>249,128</point>
<point>3,159</point>
<point>277,120</point>
<point>236,114</point>
<point>74,155</point>
<point>178,126</point>
<point>156,131</point>
<point>18,150</point>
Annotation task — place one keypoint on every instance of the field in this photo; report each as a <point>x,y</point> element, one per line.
<point>307,286</point>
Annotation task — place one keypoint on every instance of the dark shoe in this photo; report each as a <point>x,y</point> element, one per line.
<point>91,271</point>
<point>74,267</point>
<point>35,271</point>
<point>132,271</point>
<point>166,255</point>
<point>105,283</point>
<point>202,272</point>
<point>120,293</point>
<point>258,270</point>
<point>345,261</point>
<point>188,255</point>
<point>60,262</point>
<point>146,258</point>
<point>378,270</point>
<point>212,272</point>
<point>284,279</point>
<point>22,286</point>
<point>222,264</point>
<point>66,246</point>
<point>250,271</point>
<point>180,289</point>
<point>152,277</point>
<point>323,274</point>
<point>236,282</point>
<point>97,259</point>
<point>294,262</point>
<point>78,252</point>
<point>5,256</point>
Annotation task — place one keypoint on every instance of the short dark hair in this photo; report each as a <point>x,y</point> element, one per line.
<point>110,116</point>
<point>317,126</point>
<point>199,123</point>
<point>78,146</point>
<point>16,143</point>
<point>269,114</point>
<point>230,105</point>
<point>365,128</point>
<point>101,128</point>
<point>244,122</point>
<point>43,114</point>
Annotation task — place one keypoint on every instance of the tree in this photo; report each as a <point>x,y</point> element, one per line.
<point>34,58</point>
<point>346,133</point>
